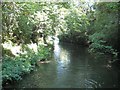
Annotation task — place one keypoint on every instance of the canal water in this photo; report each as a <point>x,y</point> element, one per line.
<point>71,67</point>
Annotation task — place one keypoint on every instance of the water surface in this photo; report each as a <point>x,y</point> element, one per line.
<point>71,67</point>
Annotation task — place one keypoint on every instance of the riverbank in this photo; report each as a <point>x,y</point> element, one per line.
<point>15,68</point>
<point>72,66</point>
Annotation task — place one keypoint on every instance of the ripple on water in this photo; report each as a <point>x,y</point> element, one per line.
<point>90,83</point>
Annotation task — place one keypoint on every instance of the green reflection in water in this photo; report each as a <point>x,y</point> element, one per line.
<point>71,67</point>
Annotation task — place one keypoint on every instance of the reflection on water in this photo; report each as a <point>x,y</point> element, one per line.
<point>64,57</point>
<point>71,67</point>
<point>61,55</point>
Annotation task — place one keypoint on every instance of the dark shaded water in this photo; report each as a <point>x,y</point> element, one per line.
<point>71,67</point>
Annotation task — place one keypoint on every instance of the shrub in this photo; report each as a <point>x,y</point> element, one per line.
<point>14,67</point>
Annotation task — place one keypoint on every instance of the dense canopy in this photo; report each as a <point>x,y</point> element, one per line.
<point>29,30</point>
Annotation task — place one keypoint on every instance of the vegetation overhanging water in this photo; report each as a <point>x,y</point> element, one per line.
<point>28,33</point>
<point>71,67</point>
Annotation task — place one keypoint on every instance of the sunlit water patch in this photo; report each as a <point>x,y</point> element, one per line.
<point>71,67</point>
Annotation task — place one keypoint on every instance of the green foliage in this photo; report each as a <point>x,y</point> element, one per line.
<point>10,69</point>
<point>76,28</point>
<point>16,24</point>
<point>21,25</point>
<point>14,67</point>
<point>45,52</point>
<point>104,29</point>
<point>7,52</point>
<point>27,22</point>
<point>76,37</point>
<point>97,27</point>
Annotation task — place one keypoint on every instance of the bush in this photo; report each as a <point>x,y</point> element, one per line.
<point>104,29</point>
<point>14,67</point>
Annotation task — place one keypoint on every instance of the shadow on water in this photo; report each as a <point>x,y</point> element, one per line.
<point>71,67</point>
